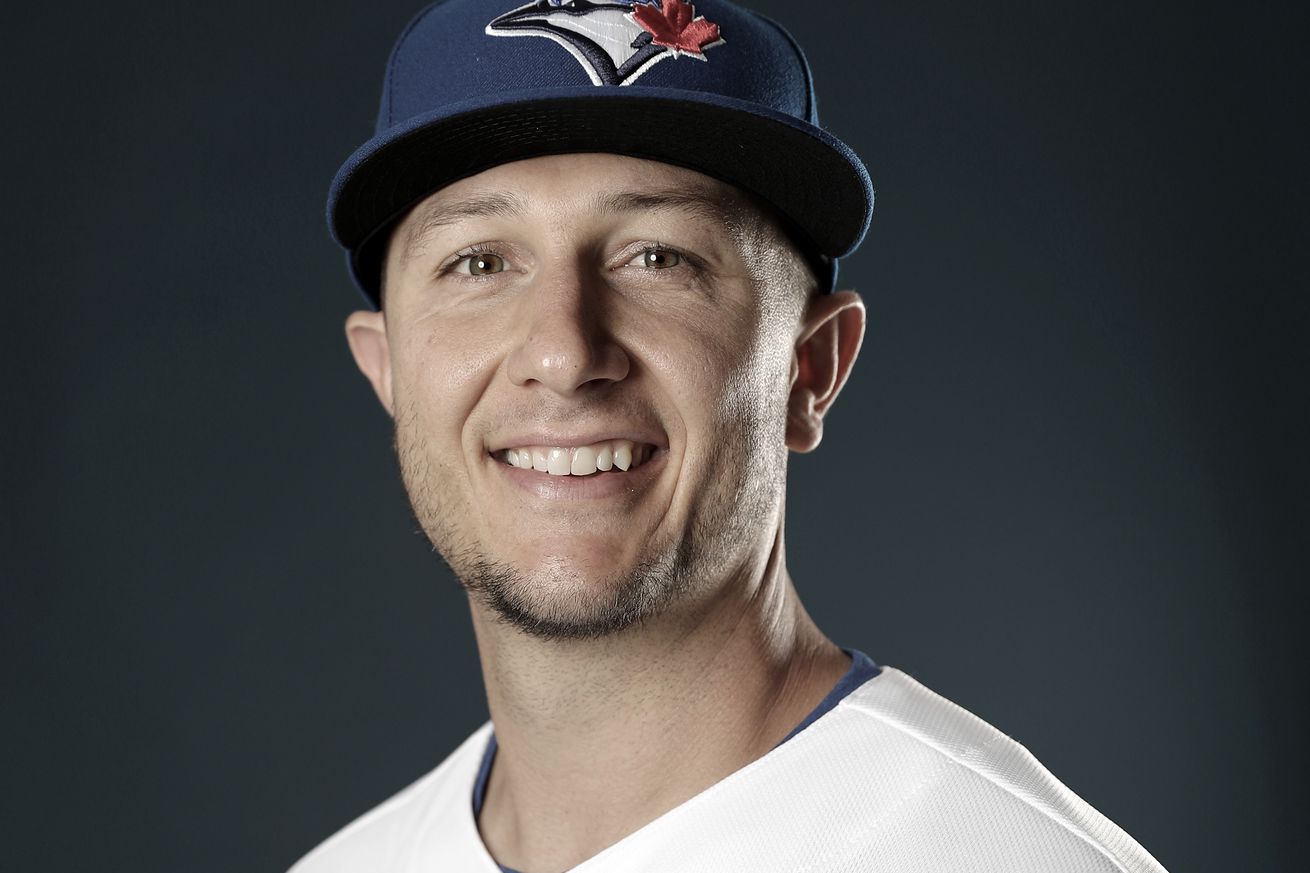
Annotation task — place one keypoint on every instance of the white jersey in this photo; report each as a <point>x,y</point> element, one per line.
<point>894,779</point>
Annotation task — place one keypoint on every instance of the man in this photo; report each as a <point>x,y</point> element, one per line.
<point>600,240</point>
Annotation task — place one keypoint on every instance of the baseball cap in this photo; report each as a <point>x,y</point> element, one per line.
<point>710,86</point>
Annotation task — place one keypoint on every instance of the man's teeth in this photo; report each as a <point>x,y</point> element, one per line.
<point>581,460</point>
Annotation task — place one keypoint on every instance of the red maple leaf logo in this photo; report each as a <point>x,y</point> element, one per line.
<point>676,26</point>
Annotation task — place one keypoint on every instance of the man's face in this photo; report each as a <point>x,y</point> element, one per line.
<point>549,323</point>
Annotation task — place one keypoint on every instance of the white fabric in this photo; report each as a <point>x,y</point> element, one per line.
<point>894,779</point>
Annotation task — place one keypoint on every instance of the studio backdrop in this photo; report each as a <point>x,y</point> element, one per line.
<point>1065,487</point>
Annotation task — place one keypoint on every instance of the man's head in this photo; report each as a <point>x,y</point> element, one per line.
<point>597,362</point>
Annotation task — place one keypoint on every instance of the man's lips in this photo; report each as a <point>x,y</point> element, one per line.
<point>576,455</point>
<point>620,455</point>
<point>571,479</point>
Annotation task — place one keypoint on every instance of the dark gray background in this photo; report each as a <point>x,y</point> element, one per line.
<point>1066,487</point>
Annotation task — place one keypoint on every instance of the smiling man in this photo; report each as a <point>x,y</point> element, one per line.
<point>599,241</point>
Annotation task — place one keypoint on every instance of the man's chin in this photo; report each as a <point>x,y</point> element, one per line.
<point>570,601</point>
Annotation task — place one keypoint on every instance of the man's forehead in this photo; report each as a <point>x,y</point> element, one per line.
<point>596,184</point>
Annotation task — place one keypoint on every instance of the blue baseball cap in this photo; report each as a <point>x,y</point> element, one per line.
<point>710,86</point>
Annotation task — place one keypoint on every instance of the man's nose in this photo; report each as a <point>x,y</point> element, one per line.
<point>563,339</point>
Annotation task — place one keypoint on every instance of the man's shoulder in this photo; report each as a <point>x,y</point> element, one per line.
<point>388,836</point>
<point>956,787</point>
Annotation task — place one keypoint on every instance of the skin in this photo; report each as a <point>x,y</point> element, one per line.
<point>639,634</point>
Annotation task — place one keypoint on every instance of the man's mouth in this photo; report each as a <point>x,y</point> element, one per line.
<point>602,457</point>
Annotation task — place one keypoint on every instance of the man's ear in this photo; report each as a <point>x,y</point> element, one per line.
<point>826,348</point>
<point>366,332</point>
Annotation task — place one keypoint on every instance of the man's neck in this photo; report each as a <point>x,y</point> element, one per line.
<point>599,737</point>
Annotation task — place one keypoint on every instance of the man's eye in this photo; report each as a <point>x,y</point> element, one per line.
<point>660,259</point>
<point>482,264</point>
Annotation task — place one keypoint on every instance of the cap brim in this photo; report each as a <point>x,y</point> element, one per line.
<point>809,176</point>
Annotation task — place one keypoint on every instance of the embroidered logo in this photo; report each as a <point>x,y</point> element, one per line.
<point>618,40</point>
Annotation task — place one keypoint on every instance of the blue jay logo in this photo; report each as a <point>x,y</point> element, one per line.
<point>615,41</point>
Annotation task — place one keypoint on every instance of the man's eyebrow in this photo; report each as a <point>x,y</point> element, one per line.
<point>443,213</point>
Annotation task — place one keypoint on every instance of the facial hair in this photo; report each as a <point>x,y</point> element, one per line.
<point>742,496</point>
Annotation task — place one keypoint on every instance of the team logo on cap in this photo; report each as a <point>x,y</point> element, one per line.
<point>614,41</point>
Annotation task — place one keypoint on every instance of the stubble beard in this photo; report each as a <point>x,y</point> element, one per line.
<point>550,602</point>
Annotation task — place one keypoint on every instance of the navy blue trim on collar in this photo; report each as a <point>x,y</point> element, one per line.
<point>862,669</point>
